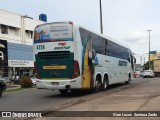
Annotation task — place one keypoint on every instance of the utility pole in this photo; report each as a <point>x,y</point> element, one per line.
<point>101,23</point>
<point>149,47</point>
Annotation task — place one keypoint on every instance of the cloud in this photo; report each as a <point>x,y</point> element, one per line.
<point>136,37</point>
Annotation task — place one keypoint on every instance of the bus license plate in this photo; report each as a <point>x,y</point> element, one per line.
<point>55,83</point>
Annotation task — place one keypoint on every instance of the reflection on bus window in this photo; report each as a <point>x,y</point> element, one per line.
<point>1,56</point>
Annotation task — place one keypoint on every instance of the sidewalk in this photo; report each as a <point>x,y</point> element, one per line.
<point>12,87</point>
<point>143,97</point>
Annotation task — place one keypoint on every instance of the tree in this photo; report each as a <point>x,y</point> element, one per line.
<point>146,66</point>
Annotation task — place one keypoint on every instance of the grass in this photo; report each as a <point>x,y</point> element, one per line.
<point>17,89</point>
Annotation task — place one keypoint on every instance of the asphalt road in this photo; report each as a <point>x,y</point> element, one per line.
<point>43,100</point>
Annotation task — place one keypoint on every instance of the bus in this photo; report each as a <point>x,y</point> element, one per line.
<point>68,56</point>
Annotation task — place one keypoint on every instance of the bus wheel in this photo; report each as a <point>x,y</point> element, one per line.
<point>105,84</point>
<point>64,92</point>
<point>129,79</point>
<point>98,85</point>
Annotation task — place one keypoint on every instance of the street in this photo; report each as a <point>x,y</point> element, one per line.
<point>45,100</point>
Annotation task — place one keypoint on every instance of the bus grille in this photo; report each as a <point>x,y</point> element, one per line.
<point>53,54</point>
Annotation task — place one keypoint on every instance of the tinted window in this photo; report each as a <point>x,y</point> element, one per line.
<point>116,50</point>
<point>104,46</point>
<point>98,43</point>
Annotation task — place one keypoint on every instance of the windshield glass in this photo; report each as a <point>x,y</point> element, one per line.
<point>53,32</point>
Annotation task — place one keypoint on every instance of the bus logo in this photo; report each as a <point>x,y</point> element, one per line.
<point>62,48</point>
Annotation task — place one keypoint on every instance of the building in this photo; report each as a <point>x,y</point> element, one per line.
<point>155,56</point>
<point>16,39</point>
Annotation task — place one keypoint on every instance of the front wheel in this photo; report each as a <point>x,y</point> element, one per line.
<point>64,92</point>
<point>129,79</point>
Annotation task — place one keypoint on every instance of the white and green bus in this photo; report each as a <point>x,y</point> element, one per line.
<point>68,56</point>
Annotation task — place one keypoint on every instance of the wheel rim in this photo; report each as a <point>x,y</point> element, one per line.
<point>97,84</point>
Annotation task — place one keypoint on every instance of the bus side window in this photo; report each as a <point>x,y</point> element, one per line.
<point>1,56</point>
<point>107,51</point>
<point>99,51</point>
<point>106,47</point>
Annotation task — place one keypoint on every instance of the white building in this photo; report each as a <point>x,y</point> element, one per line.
<point>16,39</point>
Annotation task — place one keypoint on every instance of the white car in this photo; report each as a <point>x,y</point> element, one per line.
<point>148,73</point>
<point>34,80</point>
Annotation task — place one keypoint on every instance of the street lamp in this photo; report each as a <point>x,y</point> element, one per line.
<point>101,24</point>
<point>149,47</point>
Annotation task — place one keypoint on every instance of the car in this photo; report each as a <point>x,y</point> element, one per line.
<point>148,73</point>
<point>34,80</point>
<point>2,85</point>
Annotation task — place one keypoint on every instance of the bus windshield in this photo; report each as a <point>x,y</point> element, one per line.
<point>53,32</point>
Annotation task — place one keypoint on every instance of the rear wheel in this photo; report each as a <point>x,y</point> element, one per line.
<point>105,83</point>
<point>98,85</point>
<point>64,92</point>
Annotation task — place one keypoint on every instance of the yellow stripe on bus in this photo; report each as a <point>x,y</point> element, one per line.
<point>54,67</point>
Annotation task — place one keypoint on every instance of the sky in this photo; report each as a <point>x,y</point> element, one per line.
<point>126,21</point>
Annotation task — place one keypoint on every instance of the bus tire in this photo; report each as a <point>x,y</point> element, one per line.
<point>64,92</point>
<point>105,83</point>
<point>98,84</point>
<point>129,79</point>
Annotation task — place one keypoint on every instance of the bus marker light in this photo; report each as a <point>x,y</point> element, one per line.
<point>62,43</point>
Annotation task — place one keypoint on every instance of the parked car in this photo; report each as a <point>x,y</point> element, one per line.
<point>34,80</point>
<point>2,85</point>
<point>148,73</point>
